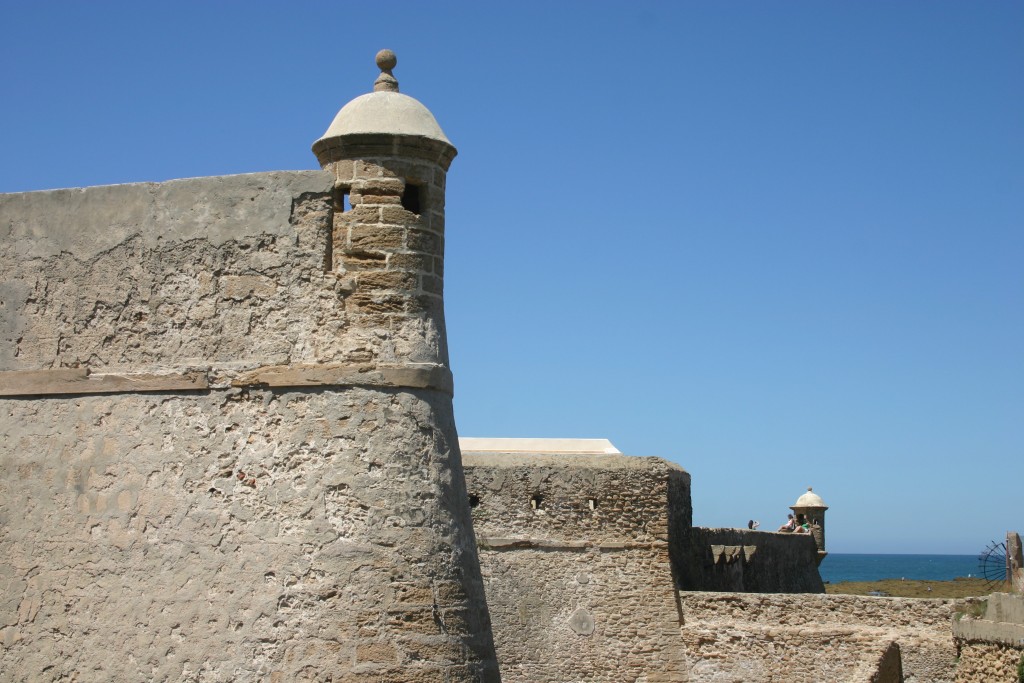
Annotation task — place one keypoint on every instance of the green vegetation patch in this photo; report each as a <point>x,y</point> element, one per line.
<point>899,588</point>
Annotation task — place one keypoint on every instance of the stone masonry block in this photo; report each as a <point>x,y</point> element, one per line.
<point>383,200</point>
<point>375,237</point>
<point>450,592</point>
<point>343,170</point>
<point>379,186</point>
<point>438,649</point>
<point>356,260</point>
<point>371,302</point>
<point>424,303</point>
<point>387,280</point>
<point>437,220</point>
<point>397,215</point>
<point>376,652</point>
<point>432,284</point>
<point>416,262</point>
<point>366,168</point>
<point>458,620</point>
<point>371,321</point>
<point>427,242</point>
<point>395,675</point>
<point>357,215</point>
<point>411,593</point>
<point>417,619</point>
<point>415,171</point>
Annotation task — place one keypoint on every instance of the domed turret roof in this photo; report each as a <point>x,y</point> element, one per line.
<point>809,500</point>
<point>384,111</point>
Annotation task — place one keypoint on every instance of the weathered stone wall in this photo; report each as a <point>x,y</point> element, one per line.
<point>990,647</point>
<point>569,498</point>
<point>230,536</point>
<point>597,613</point>
<point>987,662</point>
<point>760,637</point>
<point>223,274</point>
<point>577,594</point>
<point>613,615</point>
<point>1014,562</point>
<point>227,455</point>
<point>574,553</point>
<point>391,257</point>
<point>745,561</point>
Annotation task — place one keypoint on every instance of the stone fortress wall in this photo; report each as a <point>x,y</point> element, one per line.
<point>575,556</point>
<point>229,454</point>
<point>593,571</point>
<point>990,638</point>
<point>747,561</point>
<point>801,637</point>
<point>229,450</point>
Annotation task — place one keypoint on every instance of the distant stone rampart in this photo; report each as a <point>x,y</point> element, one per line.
<point>747,561</point>
<point>575,556</point>
<point>593,572</point>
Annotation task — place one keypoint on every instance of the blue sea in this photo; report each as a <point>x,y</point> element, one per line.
<point>838,567</point>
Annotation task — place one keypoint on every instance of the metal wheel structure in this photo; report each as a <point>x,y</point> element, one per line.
<point>992,563</point>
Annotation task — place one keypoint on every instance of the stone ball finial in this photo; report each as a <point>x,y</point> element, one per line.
<point>386,61</point>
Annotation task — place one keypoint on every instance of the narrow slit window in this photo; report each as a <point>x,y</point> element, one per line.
<point>536,502</point>
<point>341,205</point>
<point>412,198</point>
<point>592,503</point>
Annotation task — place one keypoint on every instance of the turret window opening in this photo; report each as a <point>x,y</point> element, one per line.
<point>536,502</point>
<point>341,205</point>
<point>413,197</point>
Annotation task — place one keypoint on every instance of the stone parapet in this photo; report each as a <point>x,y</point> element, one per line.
<point>579,498</point>
<point>741,560</point>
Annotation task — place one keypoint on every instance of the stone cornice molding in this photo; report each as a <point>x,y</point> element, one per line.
<point>377,145</point>
<point>64,381</point>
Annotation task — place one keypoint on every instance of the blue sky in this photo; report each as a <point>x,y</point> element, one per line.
<point>778,243</point>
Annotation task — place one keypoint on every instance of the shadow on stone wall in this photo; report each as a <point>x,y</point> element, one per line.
<point>744,561</point>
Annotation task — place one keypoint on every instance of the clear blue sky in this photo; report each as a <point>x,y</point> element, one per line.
<point>779,243</point>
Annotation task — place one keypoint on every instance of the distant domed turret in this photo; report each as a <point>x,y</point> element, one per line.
<point>811,508</point>
<point>810,500</point>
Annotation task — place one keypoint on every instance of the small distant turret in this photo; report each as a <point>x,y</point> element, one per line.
<point>811,508</point>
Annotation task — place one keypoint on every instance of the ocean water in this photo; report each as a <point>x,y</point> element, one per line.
<point>838,567</point>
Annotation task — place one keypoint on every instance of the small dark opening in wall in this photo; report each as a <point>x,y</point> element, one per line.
<point>341,204</point>
<point>412,197</point>
<point>341,198</point>
<point>592,503</point>
<point>536,502</point>
<point>474,501</point>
